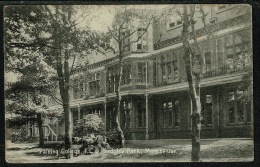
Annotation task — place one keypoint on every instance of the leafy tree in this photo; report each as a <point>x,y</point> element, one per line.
<point>53,32</point>
<point>24,96</point>
<point>92,123</point>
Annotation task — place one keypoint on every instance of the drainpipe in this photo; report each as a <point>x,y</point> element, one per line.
<point>105,102</point>
<point>78,111</point>
<point>146,104</point>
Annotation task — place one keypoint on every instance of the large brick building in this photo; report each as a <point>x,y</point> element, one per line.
<point>154,89</point>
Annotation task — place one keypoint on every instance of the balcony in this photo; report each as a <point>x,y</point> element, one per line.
<point>136,83</point>
<point>226,69</point>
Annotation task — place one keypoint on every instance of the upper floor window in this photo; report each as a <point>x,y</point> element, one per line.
<point>237,50</point>
<point>170,67</point>
<point>126,77</point>
<point>141,72</point>
<point>142,42</point>
<point>207,61</point>
<point>111,79</point>
<point>126,40</point>
<point>94,83</point>
<point>174,22</point>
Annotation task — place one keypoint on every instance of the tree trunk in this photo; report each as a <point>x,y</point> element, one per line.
<point>68,124</point>
<point>118,100</point>
<point>194,90</point>
<point>41,134</point>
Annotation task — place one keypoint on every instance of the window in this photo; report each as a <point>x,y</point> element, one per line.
<point>142,42</point>
<point>239,110</point>
<point>111,119</point>
<point>220,52</point>
<point>126,77</point>
<point>141,114</point>
<point>111,79</point>
<point>126,114</point>
<point>141,72</point>
<point>207,61</point>
<point>76,89</point>
<point>195,62</point>
<point>207,110</point>
<point>81,91</point>
<point>170,114</point>
<point>169,68</point>
<point>174,22</point>
<point>236,49</point>
<point>94,83</point>
<point>126,41</point>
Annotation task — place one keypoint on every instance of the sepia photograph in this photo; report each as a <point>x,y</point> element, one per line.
<point>128,83</point>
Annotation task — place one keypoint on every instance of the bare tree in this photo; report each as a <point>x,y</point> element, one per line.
<point>129,24</point>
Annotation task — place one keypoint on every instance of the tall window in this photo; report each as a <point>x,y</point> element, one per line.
<point>110,120</point>
<point>141,114</point>
<point>126,77</point>
<point>238,109</point>
<point>126,41</point>
<point>76,89</point>
<point>236,49</point>
<point>207,110</point>
<point>94,83</point>
<point>111,79</point>
<point>126,114</point>
<point>171,114</point>
<point>163,69</point>
<point>207,61</point>
<point>169,67</point>
<point>141,71</point>
<point>142,42</point>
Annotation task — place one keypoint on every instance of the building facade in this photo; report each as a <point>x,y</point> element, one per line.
<point>155,99</point>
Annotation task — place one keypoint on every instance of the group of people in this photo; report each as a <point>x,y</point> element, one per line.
<point>92,140</point>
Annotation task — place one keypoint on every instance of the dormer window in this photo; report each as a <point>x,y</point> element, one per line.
<point>174,22</point>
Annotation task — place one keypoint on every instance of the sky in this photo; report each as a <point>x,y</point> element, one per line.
<point>103,15</point>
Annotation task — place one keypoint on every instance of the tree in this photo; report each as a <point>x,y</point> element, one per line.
<point>24,96</point>
<point>53,32</point>
<point>92,123</point>
<point>129,26</point>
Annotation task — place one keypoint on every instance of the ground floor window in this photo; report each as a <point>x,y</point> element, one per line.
<point>141,114</point>
<point>238,109</point>
<point>171,114</point>
<point>110,118</point>
<point>207,110</point>
<point>126,108</point>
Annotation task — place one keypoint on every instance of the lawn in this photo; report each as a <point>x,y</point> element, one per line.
<point>212,150</point>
